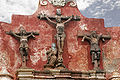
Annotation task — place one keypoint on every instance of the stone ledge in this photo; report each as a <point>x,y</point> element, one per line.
<point>6,75</point>
<point>59,74</point>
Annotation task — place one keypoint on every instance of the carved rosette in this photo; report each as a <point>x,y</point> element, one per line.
<point>60,3</point>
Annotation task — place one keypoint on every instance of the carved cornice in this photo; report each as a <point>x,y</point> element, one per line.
<point>58,2</point>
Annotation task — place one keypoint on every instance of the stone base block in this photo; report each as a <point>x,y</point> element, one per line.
<point>56,74</point>
<point>25,74</point>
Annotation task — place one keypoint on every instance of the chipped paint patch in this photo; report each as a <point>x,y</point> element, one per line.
<point>111,66</point>
<point>45,12</point>
<point>83,27</point>
<point>17,61</point>
<point>11,43</point>
<point>4,59</point>
<point>38,55</point>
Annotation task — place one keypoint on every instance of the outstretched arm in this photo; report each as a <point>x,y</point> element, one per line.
<point>68,19</point>
<point>40,16</point>
<point>31,35</point>
<point>13,34</point>
<point>85,37</point>
<point>50,20</point>
<point>103,37</point>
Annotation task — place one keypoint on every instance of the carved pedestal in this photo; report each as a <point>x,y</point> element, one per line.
<point>25,74</point>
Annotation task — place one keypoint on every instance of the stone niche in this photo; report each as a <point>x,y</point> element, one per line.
<point>76,56</point>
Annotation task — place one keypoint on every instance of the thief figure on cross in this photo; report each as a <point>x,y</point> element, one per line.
<point>23,38</point>
<point>59,25</point>
<point>93,38</point>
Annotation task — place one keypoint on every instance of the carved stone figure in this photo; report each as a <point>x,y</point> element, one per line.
<point>52,57</point>
<point>23,38</point>
<point>95,50</point>
<point>59,25</point>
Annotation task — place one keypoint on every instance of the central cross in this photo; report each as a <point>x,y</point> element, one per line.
<point>59,23</point>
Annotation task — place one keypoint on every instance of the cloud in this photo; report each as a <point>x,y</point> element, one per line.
<point>83,4</point>
<point>22,7</point>
<point>107,9</point>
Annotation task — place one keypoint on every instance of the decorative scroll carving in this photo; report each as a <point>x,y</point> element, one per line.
<point>59,2</point>
<point>43,2</point>
<point>72,3</point>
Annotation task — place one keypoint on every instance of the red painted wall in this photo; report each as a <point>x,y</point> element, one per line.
<point>76,54</point>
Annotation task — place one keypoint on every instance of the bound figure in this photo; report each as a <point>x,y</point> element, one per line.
<point>93,38</point>
<point>23,38</point>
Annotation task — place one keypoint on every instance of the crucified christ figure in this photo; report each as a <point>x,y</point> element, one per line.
<point>59,23</point>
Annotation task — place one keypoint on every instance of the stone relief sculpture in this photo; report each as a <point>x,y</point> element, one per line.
<point>23,38</point>
<point>52,57</point>
<point>59,25</point>
<point>60,36</point>
<point>93,38</point>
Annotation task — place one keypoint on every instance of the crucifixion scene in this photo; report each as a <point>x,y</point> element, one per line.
<point>59,23</point>
<point>71,46</point>
<point>23,36</point>
<point>93,38</point>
